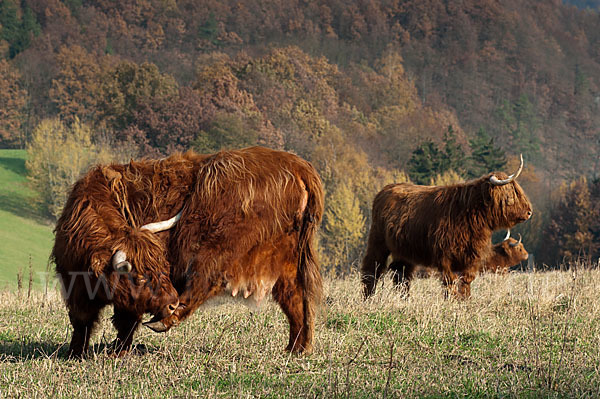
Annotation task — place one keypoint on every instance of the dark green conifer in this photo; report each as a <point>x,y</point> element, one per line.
<point>485,156</point>
<point>424,162</point>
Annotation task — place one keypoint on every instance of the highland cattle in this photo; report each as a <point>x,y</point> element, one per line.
<point>447,228</point>
<point>245,222</point>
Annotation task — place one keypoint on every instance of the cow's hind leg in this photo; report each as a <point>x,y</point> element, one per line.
<point>374,263</point>
<point>126,324</point>
<point>289,294</point>
<point>403,274</point>
<point>195,290</point>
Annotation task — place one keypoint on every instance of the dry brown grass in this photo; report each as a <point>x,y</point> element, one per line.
<point>521,335</point>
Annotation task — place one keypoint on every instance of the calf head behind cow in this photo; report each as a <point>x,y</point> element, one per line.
<point>505,254</point>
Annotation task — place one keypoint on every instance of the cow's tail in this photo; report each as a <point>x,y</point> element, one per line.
<point>309,274</point>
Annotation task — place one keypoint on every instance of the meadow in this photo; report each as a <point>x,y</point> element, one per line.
<point>522,335</point>
<point>25,238</point>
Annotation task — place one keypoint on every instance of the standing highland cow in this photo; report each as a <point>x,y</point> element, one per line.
<point>247,229</point>
<point>245,225</point>
<point>448,228</point>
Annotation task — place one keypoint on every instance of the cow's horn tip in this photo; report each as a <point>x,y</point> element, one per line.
<point>156,326</point>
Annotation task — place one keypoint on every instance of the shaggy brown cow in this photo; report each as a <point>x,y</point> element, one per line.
<point>103,257</point>
<point>247,230</point>
<point>448,228</point>
<point>503,256</point>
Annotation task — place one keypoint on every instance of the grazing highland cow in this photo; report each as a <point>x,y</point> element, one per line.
<point>247,229</point>
<point>102,257</point>
<point>245,225</point>
<point>448,228</point>
<point>503,256</point>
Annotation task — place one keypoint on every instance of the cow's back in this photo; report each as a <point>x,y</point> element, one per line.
<point>242,198</point>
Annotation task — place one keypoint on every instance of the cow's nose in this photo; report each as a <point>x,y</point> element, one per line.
<point>529,213</point>
<point>173,306</point>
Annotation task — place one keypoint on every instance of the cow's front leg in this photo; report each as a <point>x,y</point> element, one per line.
<point>464,284</point>
<point>449,279</point>
<point>83,323</point>
<point>126,323</point>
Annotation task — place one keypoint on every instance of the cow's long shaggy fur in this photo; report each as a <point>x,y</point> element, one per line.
<point>249,227</point>
<point>448,228</point>
<point>248,220</point>
<point>103,214</point>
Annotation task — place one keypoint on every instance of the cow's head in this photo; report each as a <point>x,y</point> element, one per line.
<point>139,275</point>
<point>506,201</point>
<point>514,250</point>
<point>509,252</point>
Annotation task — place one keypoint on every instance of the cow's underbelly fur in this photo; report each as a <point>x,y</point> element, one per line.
<point>250,292</point>
<point>252,278</point>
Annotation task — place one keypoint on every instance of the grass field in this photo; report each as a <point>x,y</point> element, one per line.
<point>524,335</point>
<point>24,236</point>
<point>527,335</point>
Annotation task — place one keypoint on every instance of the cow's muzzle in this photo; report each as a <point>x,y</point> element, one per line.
<point>157,323</point>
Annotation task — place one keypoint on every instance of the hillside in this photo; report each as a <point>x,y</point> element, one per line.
<point>526,72</point>
<point>22,233</point>
<point>361,89</point>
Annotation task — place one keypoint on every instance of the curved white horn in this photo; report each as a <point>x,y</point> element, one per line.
<point>120,263</point>
<point>507,235</point>
<point>497,182</point>
<point>161,226</point>
<point>516,243</point>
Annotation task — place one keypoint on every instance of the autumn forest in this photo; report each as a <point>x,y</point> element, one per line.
<point>371,92</point>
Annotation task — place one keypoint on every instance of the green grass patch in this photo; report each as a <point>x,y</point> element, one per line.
<point>25,238</point>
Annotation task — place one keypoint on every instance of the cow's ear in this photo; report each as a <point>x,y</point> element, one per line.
<point>110,174</point>
<point>503,248</point>
<point>99,262</point>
